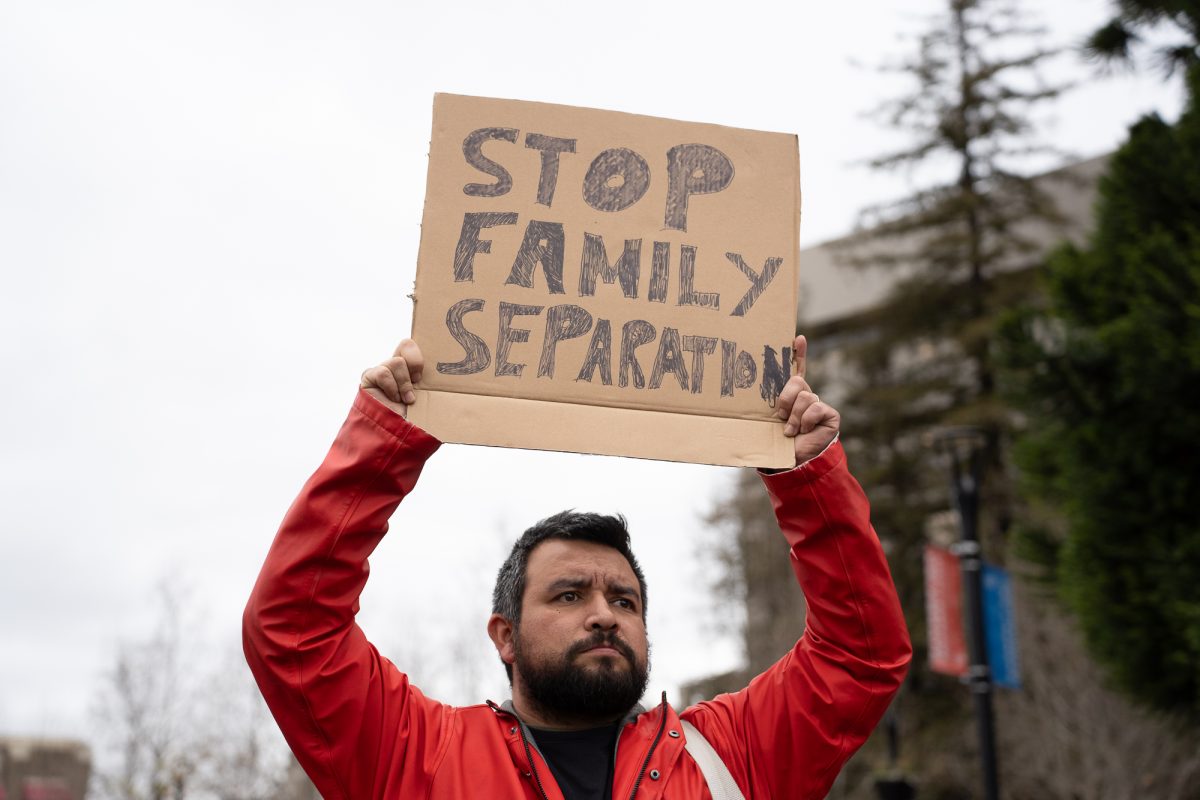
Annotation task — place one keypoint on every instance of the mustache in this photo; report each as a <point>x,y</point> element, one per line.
<point>602,639</point>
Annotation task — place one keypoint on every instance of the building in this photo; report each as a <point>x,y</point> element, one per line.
<point>837,299</point>
<point>837,304</point>
<point>43,769</point>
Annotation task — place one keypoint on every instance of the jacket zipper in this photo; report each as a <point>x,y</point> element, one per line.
<point>532,766</point>
<point>662,724</point>
<point>525,742</point>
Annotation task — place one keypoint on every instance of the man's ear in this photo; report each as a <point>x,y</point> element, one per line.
<point>502,630</point>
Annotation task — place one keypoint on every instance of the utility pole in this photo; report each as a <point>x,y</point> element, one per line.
<point>964,447</point>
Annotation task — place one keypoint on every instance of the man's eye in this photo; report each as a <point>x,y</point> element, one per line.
<point>569,597</point>
<point>625,602</point>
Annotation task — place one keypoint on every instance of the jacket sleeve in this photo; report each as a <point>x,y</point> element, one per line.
<point>349,715</point>
<point>790,731</point>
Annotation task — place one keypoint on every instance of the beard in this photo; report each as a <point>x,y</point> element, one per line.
<point>564,689</point>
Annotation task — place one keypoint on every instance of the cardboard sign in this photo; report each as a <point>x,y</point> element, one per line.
<point>599,282</point>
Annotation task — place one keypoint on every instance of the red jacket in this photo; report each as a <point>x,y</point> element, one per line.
<point>361,730</point>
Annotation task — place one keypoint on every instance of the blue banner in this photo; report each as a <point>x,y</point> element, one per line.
<point>999,627</point>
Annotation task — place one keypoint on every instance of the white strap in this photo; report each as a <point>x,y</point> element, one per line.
<point>720,783</point>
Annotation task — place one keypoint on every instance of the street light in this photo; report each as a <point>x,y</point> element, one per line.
<point>964,449</point>
<point>893,785</point>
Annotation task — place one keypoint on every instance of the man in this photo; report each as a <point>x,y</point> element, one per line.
<point>569,625</point>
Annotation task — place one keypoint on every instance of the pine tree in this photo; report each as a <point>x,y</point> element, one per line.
<point>962,253</point>
<point>1125,33</point>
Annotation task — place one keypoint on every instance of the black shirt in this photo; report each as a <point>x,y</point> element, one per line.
<point>582,761</point>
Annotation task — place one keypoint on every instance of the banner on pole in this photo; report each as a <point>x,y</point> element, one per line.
<point>943,612</point>
<point>999,627</point>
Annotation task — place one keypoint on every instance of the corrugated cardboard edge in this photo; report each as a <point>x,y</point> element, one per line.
<point>659,435</point>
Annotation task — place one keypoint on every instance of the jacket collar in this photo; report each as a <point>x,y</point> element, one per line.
<point>639,769</point>
<point>508,708</point>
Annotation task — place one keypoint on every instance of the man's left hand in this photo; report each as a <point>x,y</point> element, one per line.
<point>811,423</point>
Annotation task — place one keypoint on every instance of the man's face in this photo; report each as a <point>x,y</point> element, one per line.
<point>581,649</point>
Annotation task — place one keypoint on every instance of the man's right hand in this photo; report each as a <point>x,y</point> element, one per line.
<point>392,382</point>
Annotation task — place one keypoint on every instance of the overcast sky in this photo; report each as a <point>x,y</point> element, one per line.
<point>209,219</point>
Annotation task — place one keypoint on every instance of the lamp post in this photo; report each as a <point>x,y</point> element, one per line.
<point>964,448</point>
<point>893,785</point>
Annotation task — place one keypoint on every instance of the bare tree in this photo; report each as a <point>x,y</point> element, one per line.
<point>145,752</point>
<point>753,577</point>
<point>241,754</point>
<point>175,725</point>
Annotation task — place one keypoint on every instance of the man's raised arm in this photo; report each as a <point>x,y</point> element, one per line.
<point>340,705</point>
<point>791,730</point>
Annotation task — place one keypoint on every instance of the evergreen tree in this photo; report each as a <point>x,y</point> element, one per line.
<point>1110,375</point>
<point>961,252</point>
<point>1125,33</point>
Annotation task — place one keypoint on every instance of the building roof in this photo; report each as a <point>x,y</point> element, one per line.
<point>832,291</point>
<point>22,747</point>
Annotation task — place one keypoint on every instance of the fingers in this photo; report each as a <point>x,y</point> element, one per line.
<point>818,414</point>
<point>382,378</point>
<point>797,396</point>
<point>787,397</point>
<point>792,392</point>
<point>396,377</point>
<point>800,356</point>
<point>811,423</point>
<point>819,425</point>
<point>799,419</point>
<point>404,381</point>
<point>411,354</point>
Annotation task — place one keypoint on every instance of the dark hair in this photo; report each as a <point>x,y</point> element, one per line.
<point>599,528</point>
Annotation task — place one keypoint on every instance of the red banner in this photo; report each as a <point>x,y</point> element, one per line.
<point>943,612</point>
<point>44,789</point>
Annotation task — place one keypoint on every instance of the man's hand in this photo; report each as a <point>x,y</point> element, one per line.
<point>813,424</point>
<point>392,382</point>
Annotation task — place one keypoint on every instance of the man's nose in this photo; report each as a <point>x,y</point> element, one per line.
<point>600,615</point>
